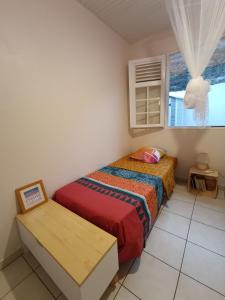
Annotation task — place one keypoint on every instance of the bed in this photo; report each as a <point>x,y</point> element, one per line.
<point>122,198</point>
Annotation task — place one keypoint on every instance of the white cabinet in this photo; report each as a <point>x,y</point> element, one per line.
<point>147,92</point>
<point>81,258</point>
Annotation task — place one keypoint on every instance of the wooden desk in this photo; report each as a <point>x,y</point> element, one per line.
<point>81,258</point>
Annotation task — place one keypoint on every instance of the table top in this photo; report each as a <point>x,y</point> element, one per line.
<point>76,244</point>
<point>208,172</point>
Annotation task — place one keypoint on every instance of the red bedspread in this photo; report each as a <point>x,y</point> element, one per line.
<point>122,202</point>
<point>104,210</point>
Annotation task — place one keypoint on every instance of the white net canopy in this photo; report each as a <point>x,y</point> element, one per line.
<point>198,26</point>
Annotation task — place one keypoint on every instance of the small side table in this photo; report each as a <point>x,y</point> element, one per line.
<point>204,174</point>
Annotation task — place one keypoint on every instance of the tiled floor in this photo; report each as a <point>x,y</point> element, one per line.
<point>184,259</point>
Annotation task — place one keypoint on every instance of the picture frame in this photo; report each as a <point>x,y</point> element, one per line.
<point>31,195</point>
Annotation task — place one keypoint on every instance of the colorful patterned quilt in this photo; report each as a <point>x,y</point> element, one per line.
<point>122,201</point>
<point>149,188</point>
<point>164,169</point>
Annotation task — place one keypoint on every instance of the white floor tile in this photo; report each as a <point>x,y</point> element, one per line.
<point>183,195</point>
<point>150,278</point>
<point>205,266</point>
<point>179,207</point>
<point>166,247</point>
<point>209,217</point>
<point>111,292</point>
<point>30,288</point>
<point>30,259</point>
<point>46,279</point>
<point>189,289</point>
<point>208,237</point>
<point>180,186</point>
<point>124,294</point>
<point>173,223</point>
<point>217,204</point>
<point>12,275</point>
<point>160,210</point>
<point>123,270</point>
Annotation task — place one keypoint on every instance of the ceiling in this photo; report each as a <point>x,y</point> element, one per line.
<point>134,20</point>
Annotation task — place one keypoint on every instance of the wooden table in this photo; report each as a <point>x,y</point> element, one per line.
<point>81,258</point>
<point>204,173</point>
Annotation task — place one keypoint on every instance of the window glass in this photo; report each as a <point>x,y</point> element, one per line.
<point>178,115</point>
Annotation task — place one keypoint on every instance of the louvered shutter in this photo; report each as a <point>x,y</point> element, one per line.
<point>147,92</point>
<point>148,71</point>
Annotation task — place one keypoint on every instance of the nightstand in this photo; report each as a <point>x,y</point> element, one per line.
<point>203,182</point>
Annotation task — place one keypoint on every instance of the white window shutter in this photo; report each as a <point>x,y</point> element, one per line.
<point>147,92</point>
<point>149,71</point>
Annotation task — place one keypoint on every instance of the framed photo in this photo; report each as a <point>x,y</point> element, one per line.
<point>31,195</point>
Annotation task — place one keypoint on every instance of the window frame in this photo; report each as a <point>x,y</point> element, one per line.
<point>167,100</point>
<point>133,85</point>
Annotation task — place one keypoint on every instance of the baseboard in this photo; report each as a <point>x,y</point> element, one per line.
<point>9,259</point>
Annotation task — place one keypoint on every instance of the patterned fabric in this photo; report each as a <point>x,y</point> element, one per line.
<point>122,199</point>
<point>145,190</point>
<point>141,153</point>
<point>108,213</point>
<point>149,180</point>
<point>152,156</point>
<point>164,169</point>
<point>130,198</point>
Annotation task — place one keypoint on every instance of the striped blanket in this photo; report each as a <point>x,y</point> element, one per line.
<point>125,203</point>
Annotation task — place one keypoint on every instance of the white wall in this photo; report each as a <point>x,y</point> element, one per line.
<point>63,102</point>
<point>183,143</point>
<point>63,99</point>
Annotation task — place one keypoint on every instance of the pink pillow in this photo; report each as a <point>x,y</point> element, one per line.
<point>152,156</point>
<point>139,154</point>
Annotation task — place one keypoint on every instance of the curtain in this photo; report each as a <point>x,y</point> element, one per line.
<point>198,26</point>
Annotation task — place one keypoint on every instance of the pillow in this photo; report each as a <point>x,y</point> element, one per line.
<point>161,151</point>
<point>139,154</point>
<point>152,156</point>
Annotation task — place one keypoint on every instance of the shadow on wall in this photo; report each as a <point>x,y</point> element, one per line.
<point>13,242</point>
<point>184,144</point>
<point>187,144</point>
<point>140,132</point>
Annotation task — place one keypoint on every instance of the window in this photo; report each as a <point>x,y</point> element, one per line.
<point>178,115</point>
<point>147,92</point>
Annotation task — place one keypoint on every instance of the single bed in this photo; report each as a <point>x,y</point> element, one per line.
<point>122,198</point>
